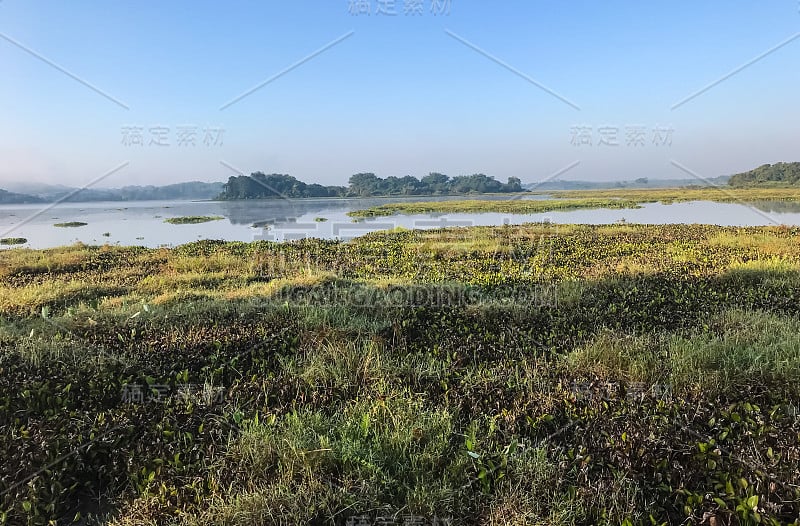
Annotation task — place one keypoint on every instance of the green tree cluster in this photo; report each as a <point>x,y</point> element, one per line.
<point>260,186</point>
<point>778,174</point>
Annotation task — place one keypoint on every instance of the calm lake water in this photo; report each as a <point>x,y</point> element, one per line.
<point>142,223</point>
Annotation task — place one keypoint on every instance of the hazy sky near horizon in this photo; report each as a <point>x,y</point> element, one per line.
<point>518,88</point>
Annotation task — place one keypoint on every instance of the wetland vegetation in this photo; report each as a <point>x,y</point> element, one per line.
<point>535,374</point>
<point>566,200</point>
<point>70,224</point>
<point>192,220</point>
<point>512,206</point>
<point>13,241</point>
<point>720,194</point>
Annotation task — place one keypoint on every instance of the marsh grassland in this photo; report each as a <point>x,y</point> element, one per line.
<point>567,200</point>
<point>512,206</point>
<point>541,374</point>
<point>719,194</point>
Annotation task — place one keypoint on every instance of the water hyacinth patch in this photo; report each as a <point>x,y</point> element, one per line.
<point>559,374</point>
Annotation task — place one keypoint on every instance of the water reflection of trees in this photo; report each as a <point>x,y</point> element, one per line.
<point>276,211</point>
<point>285,211</point>
<point>785,207</point>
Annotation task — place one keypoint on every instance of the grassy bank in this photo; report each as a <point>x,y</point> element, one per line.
<point>542,374</point>
<point>510,206</point>
<point>588,199</point>
<point>720,194</point>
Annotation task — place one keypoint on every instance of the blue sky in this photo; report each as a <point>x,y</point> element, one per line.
<point>399,95</point>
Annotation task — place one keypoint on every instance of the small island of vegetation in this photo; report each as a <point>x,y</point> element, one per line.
<point>192,220</point>
<point>70,224</point>
<point>13,241</point>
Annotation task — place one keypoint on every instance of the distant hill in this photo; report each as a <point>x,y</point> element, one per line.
<point>11,198</point>
<point>33,188</point>
<point>190,190</point>
<point>779,174</point>
<point>50,193</point>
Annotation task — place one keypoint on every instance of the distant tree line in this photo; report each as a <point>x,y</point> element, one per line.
<point>779,174</point>
<point>7,197</point>
<point>178,191</point>
<point>190,190</point>
<point>260,186</point>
